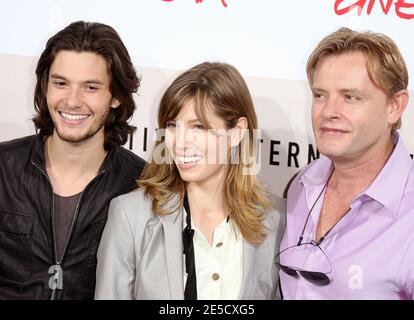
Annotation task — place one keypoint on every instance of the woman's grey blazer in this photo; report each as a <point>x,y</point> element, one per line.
<point>141,254</point>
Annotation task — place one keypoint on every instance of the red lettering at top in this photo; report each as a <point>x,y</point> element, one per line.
<point>385,7</point>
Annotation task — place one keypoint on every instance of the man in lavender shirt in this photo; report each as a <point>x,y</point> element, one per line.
<point>350,219</point>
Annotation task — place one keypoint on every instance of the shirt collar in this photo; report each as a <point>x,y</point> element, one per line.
<point>224,223</point>
<point>317,172</point>
<point>37,155</point>
<point>387,188</point>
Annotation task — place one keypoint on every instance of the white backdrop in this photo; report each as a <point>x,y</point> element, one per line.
<point>267,40</point>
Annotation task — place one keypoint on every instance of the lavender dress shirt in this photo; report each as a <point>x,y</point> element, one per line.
<point>369,254</point>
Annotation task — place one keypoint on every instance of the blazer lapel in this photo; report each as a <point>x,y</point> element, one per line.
<point>173,228</point>
<point>249,266</point>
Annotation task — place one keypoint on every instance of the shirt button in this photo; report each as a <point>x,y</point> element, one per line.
<point>219,244</point>
<point>215,276</point>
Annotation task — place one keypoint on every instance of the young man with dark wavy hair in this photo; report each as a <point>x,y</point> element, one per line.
<point>55,186</point>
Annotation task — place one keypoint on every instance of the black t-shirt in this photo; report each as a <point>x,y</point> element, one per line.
<point>64,211</point>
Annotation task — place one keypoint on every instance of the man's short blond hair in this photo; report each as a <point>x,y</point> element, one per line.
<point>385,65</point>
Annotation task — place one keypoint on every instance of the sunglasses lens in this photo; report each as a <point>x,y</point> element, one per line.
<point>288,270</point>
<point>318,278</point>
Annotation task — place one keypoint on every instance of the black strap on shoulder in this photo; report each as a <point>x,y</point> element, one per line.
<point>190,292</point>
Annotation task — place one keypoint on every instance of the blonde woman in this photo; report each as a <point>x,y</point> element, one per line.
<point>200,226</point>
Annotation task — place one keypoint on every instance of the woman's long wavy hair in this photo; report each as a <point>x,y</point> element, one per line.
<point>102,40</point>
<point>221,88</point>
